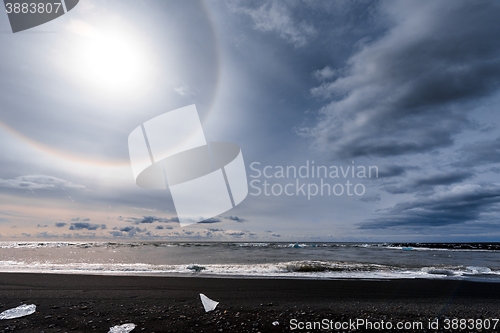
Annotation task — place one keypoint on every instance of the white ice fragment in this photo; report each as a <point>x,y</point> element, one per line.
<point>275,323</point>
<point>20,311</point>
<point>208,304</point>
<point>125,328</point>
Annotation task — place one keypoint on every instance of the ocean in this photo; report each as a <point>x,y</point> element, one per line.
<point>478,262</point>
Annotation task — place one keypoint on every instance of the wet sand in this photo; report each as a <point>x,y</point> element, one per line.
<point>92,303</point>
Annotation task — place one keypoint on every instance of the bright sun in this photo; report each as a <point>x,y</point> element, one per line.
<point>112,61</point>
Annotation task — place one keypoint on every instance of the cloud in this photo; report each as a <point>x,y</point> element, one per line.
<point>235,218</point>
<point>127,231</point>
<point>86,225</point>
<point>86,219</point>
<point>277,17</point>
<point>148,219</point>
<point>324,74</point>
<point>41,226</point>
<point>181,87</point>
<point>275,234</point>
<point>479,153</point>
<point>211,220</point>
<point>215,229</point>
<point>60,224</point>
<point>410,90</point>
<point>370,198</point>
<point>162,227</point>
<point>463,203</point>
<point>235,233</point>
<point>84,234</point>
<point>146,209</point>
<point>46,234</point>
<point>391,171</point>
<point>442,179</point>
<point>427,183</point>
<point>39,182</point>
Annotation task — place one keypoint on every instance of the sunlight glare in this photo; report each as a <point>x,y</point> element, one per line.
<point>113,61</point>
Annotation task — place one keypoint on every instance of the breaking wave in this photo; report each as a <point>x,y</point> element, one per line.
<point>294,269</point>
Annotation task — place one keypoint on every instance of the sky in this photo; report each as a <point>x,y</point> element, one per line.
<point>316,94</point>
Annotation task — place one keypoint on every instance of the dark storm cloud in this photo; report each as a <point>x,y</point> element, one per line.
<point>60,224</point>
<point>427,183</point>
<point>86,225</point>
<point>408,91</point>
<point>461,204</point>
<point>235,218</point>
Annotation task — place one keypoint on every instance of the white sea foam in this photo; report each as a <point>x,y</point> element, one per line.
<point>295,269</point>
<point>435,249</point>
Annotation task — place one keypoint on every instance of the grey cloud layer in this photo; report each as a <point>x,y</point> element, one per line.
<point>465,203</point>
<point>148,219</point>
<point>427,183</point>
<point>407,92</point>
<point>479,153</point>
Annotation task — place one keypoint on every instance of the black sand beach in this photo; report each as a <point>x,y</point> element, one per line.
<point>79,303</point>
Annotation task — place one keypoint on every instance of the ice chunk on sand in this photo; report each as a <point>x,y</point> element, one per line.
<point>20,311</point>
<point>208,304</point>
<point>125,328</point>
